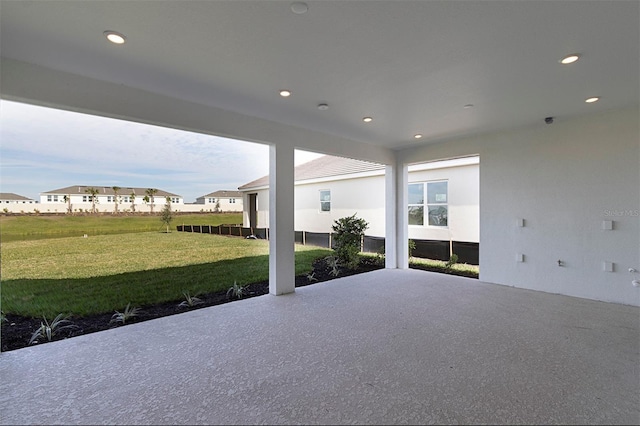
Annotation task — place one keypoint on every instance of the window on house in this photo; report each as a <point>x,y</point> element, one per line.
<point>325,201</point>
<point>212,200</point>
<point>49,198</point>
<point>436,206</point>
<point>232,200</point>
<point>416,204</point>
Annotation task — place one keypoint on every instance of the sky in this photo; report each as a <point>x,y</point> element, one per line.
<point>42,149</point>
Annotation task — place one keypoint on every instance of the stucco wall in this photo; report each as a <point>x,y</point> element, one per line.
<point>564,180</point>
<point>365,196</point>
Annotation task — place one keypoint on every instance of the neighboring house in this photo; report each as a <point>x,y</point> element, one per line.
<point>11,198</point>
<point>443,197</point>
<point>78,198</point>
<point>222,201</point>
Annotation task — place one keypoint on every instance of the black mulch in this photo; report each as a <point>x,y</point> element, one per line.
<point>17,330</point>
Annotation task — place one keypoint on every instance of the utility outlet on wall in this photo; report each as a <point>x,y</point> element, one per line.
<point>519,257</point>
<point>607,266</point>
<point>607,225</point>
<point>520,222</point>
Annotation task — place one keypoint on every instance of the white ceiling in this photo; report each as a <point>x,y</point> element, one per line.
<point>411,65</point>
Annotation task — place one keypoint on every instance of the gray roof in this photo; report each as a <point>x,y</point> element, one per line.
<point>12,196</point>
<point>326,166</point>
<point>108,190</point>
<point>223,193</point>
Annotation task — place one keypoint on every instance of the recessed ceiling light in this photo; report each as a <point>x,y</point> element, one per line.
<point>323,107</point>
<point>417,136</point>
<point>570,59</point>
<point>299,7</point>
<point>285,93</point>
<point>592,100</point>
<point>115,37</point>
<point>367,119</point>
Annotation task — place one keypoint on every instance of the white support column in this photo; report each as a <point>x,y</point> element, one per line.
<point>390,196</point>
<point>281,220</point>
<point>402,215</point>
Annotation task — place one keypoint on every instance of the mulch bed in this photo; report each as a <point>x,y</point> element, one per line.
<point>17,330</point>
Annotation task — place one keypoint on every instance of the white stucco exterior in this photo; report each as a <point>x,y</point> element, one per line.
<point>221,201</point>
<point>364,194</point>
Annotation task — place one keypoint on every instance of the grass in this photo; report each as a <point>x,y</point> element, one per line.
<point>20,228</point>
<point>441,266</point>
<point>103,273</point>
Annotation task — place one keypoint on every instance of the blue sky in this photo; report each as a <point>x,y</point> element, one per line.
<point>42,149</point>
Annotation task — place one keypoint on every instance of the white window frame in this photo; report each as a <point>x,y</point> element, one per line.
<point>426,204</point>
<point>324,200</point>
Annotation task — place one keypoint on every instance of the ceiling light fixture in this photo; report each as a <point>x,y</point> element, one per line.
<point>115,37</point>
<point>417,136</point>
<point>285,93</point>
<point>570,59</point>
<point>299,7</point>
<point>323,107</point>
<point>592,100</point>
<point>467,106</point>
<point>367,119</point>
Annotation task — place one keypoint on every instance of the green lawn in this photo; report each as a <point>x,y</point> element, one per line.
<point>102,273</point>
<point>18,228</point>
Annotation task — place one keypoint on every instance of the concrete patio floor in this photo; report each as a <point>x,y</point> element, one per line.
<point>386,347</point>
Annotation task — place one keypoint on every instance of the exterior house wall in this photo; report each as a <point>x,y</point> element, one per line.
<point>563,180</point>
<point>81,201</point>
<point>463,204</point>
<point>365,196</point>
<point>226,205</point>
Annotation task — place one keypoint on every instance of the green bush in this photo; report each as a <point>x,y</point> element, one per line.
<point>348,235</point>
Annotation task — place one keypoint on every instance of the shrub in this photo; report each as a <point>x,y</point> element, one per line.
<point>349,232</point>
<point>453,259</point>
<point>412,247</point>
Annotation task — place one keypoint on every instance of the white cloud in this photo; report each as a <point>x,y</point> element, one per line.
<point>44,149</point>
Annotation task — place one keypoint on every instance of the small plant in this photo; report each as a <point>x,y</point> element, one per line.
<point>3,317</point>
<point>124,316</point>
<point>380,255</point>
<point>311,277</point>
<point>6,210</point>
<point>412,247</point>
<point>49,331</point>
<point>236,291</point>
<point>190,301</point>
<point>333,264</point>
<point>453,259</point>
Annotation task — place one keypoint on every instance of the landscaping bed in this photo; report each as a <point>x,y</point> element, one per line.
<point>17,330</point>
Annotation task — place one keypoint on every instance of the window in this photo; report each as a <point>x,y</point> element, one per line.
<point>416,204</point>
<point>175,199</point>
<point>232,200</point>
<point>110,199</point>
<point>49,198</point>
<point>436,203</point>
<point>325,201</point>
<point>212,200</point>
